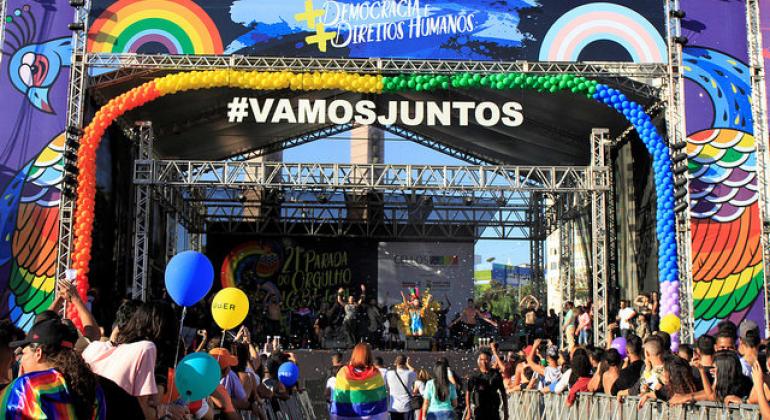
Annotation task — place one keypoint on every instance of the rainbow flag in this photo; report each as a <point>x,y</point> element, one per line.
<point>43,395</point>
<point>359,395</point>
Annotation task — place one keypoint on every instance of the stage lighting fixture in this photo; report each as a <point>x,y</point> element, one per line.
<point>679,193</point>
<point>71,180</point>
<point>323,199</point>
<point>76,26</point>
<point>679,157</point>
<point>681,40</point>
<point>501,201</point>
<point>679,14</point>
<point>468,201</point>
<point>279,196</point>
<point>680,182</point>
<point>679,145</point>
<point>75,131</point>
<point>71,168</point>
<point>680,207</point>
<point>679,169</point>
<point>70,156</point>
<point>77,3</point>
<point>241,198</point>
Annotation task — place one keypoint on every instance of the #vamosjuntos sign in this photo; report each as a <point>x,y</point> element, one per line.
<point>366,112</point>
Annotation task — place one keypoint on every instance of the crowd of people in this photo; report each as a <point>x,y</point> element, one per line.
<point>127,371</point>
<point>55,371</point>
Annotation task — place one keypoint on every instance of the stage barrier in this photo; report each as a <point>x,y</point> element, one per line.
<point>531,405</point>
<point>297,407</point>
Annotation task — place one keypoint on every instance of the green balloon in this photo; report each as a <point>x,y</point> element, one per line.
<point>500,85</point>
<point>410,83</point>
<point>444,85</point>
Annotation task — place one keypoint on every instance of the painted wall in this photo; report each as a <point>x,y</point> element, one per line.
<point>34,71</point>
<point>727,264</point>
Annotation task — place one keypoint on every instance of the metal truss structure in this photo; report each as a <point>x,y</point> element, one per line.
<point>75,110</point>
<point>467,179</point>
<point>142,226</point>
<point>599,144</point>
<point>677,138</point>
<point>759,108</point>
<point>618,74</point>
<point>537,244</point>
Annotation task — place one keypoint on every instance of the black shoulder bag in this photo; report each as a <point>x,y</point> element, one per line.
<point>415,401</point>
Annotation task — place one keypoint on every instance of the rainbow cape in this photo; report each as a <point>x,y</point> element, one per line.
<point>359,395</point>
<point>43,395</point>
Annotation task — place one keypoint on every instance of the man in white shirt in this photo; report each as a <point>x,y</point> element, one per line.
<point>400,383</point>
<point>625,315</point>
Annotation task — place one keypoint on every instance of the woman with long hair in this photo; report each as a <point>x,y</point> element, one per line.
<point>147,343</point>
<point>440,397</point>
<point>56,383</point>
<point>730,385</point>
<point>580,374</point>
<point>359,389</point>
<point>678,379</point>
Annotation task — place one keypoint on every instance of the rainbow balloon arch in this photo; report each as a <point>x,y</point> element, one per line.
<point>668,271</point>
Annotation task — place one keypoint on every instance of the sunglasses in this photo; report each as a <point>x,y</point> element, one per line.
<point>20,350</point>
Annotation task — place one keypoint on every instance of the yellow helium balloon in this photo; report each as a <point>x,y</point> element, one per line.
<point>229,308</point>
<point>670,324</point>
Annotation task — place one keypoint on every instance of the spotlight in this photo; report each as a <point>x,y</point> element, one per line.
<point>680,40</point>
<point>679,169</point>
<point>322,198</point>
<point>75,131</point>
<point>468,201</point>
<point>679,14</point>
<point>77,3</point>
<point>279,196</point>
<point>70,180</point>
<point>680,207</point>
<point>679,145</point>
<point>71,168</point>
<point>679,193</point>
<point>70,156</point>
<point>241,198</point>
<point>680,182</point>
<point>501,201</point>
<point>76,26</point>
<point>679,157</point>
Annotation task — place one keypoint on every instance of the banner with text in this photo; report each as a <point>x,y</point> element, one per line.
<point>446,268</point>
<point>552,30</point>
<point>302,272</point>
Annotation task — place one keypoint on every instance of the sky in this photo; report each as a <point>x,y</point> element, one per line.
<point>399,151</point>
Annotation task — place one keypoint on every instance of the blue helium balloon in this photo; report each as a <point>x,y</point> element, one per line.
<point>196,376</point>
<point>288,373</point>
<point>189,276</point>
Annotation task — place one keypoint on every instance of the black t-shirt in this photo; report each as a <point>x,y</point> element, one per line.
<point>628,377</point>
<point>487,388</point>
<point>697,378</point>
<point>740,387</point>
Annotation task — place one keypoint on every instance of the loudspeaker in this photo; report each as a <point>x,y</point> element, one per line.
<point>417,343</point>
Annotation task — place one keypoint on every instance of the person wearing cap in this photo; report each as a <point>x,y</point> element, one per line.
<point>551,373</point>
<point>55,382</point>
<point>229,379</point>
<point>749,345</point>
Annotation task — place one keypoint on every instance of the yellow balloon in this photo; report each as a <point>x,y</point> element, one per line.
<point>229,308</point>
<point>670,324</point>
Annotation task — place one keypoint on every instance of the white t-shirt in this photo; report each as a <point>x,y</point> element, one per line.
<point>399,398</point>
<point>131,366</point>
<point>330,386</point>
<point>625,316</point>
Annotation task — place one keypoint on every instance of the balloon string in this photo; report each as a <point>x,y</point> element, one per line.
<point>179,337</point>
<point>222,343</point>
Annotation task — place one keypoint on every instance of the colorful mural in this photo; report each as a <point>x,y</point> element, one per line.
<point>33,81</point>
<point>727,261</point>
<point>429,29</point>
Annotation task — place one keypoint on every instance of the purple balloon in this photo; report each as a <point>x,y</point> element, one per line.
<point>619,344</point>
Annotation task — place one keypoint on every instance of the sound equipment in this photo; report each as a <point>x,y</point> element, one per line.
<point>417,343</point>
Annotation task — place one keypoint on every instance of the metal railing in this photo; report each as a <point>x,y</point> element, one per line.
<point>532,405</point>
<point>297,407</point>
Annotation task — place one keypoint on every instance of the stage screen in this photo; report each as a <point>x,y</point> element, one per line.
<point>446,268</point>
<point>546,30</point>
<point>304,272</point>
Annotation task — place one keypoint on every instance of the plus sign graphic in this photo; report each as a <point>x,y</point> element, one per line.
<point>310,15</point>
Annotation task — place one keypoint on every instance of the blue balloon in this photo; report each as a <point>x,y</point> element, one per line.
<point>196,376</point>
<point>288,373</point>
<point>189,276</point>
